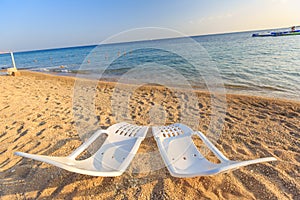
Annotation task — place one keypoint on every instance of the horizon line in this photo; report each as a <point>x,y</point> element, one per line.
<point>131,41</point>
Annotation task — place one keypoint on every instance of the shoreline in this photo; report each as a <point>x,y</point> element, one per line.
<point>112,83</point>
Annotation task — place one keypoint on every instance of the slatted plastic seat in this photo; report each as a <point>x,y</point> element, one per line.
<point>182,157</point>
<point>111,159</point>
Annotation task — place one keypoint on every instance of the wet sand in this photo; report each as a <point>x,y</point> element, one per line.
<point>38,115</point>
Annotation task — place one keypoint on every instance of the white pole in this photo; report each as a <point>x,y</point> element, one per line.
<point>13,60</point>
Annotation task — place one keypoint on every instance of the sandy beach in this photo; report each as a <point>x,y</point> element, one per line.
<point>36,116</point>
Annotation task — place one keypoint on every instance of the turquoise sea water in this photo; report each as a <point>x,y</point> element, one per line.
<point>256,66</point>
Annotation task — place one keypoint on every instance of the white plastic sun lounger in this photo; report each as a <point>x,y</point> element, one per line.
<point>112,158</point>
<point>184,160</point>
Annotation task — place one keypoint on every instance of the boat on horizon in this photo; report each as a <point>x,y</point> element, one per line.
<point>291,32</point>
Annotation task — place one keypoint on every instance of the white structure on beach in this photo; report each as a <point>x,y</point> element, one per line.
<point>13,70</point>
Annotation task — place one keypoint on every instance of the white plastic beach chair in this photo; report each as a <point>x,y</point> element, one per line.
<point>112,158</point>
<point>184,160</point>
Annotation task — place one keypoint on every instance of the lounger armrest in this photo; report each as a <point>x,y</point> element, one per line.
<point>212,147</point>
<point>86,144</point>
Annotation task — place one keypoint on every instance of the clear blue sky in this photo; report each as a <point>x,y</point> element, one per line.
<point>39,24</point>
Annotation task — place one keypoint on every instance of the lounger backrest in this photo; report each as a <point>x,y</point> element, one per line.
<point>178,145</point>
<point>128,130</point>
<point>117,148</point>
<point>174,130</point>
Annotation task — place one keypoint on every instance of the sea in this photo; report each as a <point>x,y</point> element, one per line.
<point>268,67</point>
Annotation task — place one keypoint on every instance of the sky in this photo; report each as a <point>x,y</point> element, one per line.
<point>43,24</point>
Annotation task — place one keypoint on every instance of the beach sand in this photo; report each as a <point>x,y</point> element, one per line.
<point>37,116</point>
